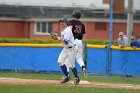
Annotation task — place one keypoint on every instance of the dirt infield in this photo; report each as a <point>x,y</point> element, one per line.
<point>18,81</point>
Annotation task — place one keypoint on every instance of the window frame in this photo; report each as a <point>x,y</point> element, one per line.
<point>40,32</point>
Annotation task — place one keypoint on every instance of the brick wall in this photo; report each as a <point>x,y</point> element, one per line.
<point>94,30</point>
<point>11,29</point>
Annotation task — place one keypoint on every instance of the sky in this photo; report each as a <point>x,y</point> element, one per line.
<point>83,3</point>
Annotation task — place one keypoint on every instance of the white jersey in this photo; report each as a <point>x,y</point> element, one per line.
<point>123,41</point>
<point>68,38</point>
<point>68,50</point>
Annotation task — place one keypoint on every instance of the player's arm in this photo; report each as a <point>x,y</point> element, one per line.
<point>70,27</point>
<point>66,38</point>
<point>83,31</point>
<point>70,24</point>
<point>132,45</point>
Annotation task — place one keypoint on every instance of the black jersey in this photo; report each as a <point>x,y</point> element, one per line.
<point>78,29</point>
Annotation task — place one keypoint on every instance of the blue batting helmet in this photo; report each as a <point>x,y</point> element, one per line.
<point>64,20</point>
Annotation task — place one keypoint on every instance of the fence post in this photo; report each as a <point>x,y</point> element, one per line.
<point>110,43</point>
<point>109,59</point>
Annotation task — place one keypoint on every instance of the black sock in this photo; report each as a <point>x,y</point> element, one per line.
<point>74,70</point>
<point>64,69</point>
<point>83,67</point>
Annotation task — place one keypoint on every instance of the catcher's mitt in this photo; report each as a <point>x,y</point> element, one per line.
<point>55,35</point>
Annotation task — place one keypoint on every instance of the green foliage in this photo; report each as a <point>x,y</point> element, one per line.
<point>115,42</point>
<point>46,41</point>
<point>34,41</point>
<point>97,42</point>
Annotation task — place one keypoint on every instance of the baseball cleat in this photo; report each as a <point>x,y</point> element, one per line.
<point>76,81</point>
<point>63,77</point>
<point>65,80</point>
<point>85,74</point>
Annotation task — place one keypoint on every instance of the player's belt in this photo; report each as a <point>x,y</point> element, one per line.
<point>70,47</point>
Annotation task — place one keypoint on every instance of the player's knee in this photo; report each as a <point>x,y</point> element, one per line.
<point>72,66</point>
<point>60,63</point>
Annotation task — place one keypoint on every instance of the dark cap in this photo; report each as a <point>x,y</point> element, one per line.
<point>76,14</point>
<point>133,38</point>
<point>64,20</point>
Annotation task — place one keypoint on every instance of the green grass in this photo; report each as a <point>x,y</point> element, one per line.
<point>31,76</point>
<point>91,78</point>
<point>114,79</point>
<point>59,89</point>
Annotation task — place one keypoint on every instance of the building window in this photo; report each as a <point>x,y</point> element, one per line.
<point>100,26</point>
<point>43,28</point>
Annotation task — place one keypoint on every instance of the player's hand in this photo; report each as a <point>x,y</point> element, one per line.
<point>55,36</point>
<point>134,47</point>
<point>85,74</point>
<point>121,46</point>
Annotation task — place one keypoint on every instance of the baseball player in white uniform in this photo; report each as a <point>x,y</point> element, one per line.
<point>68,43</point>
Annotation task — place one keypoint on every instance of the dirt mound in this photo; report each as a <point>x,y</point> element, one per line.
<point>19,81</point>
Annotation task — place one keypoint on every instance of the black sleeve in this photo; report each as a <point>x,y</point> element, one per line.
<point>71,23</point>
<point>83,30</point>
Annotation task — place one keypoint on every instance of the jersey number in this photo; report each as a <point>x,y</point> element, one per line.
<point>78,28</point>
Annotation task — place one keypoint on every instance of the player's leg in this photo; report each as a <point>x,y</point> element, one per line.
<point>72,66</point>
<point>61,62</point>
<point>79,57</point>
<point>71,58</point>
<point>77,79</point>
<point>67,65</point>
<point>79,53</point>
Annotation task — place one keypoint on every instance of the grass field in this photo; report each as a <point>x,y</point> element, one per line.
<point>5,88</point>
<point>58,89</point>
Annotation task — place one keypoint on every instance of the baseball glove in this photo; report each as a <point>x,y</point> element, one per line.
<point>55,35</point>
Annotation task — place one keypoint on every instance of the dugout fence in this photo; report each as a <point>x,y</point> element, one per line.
<point>43,57</point>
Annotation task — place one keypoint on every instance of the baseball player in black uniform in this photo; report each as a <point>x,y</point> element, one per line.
<point>78,30</point>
